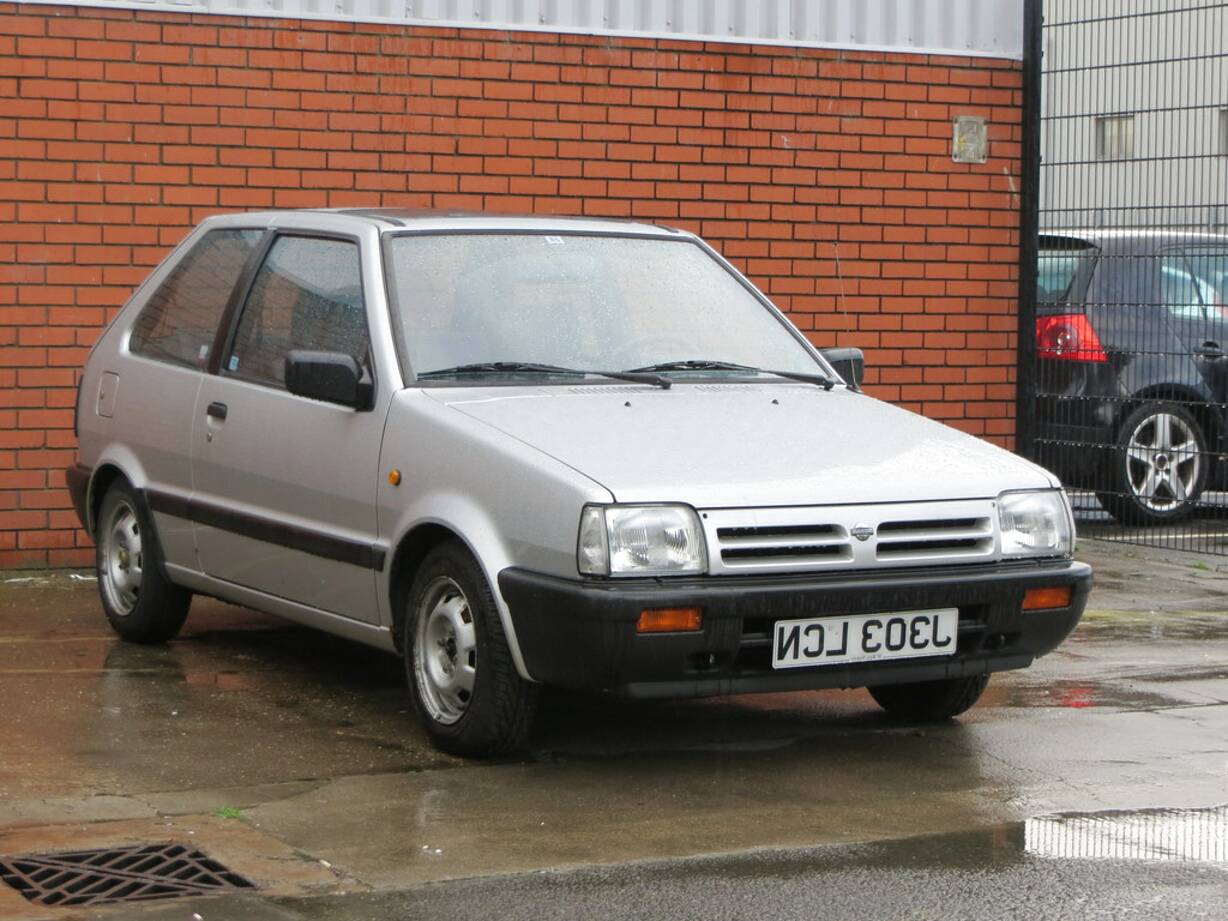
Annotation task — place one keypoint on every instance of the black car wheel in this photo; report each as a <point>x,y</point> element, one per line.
<point>461,676</point>
<point>1159,466</point>
<point>930,701</point>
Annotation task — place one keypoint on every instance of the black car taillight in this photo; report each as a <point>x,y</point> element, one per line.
<point>1069,337</point>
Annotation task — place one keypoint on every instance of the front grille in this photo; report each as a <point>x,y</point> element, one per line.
<point>783,542</point>
<point>785,551</point>
<point>815,539</point>
<point>954,536</point>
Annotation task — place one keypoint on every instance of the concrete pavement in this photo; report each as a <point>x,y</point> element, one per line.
<point>293,758</point>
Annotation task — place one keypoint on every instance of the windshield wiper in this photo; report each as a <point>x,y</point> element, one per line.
<point>696,364</point>
<point>496,367</point>
<point>699,364</point>
<point>532,367</point>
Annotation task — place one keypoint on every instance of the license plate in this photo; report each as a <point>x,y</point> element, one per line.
<point>864,638</point>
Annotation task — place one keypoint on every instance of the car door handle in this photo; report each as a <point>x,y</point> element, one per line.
<point>1209,350</point>
<point>216,411</point>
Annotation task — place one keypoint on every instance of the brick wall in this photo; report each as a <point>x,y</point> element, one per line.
<point>825,176</point>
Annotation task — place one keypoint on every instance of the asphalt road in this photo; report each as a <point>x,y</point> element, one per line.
<point>957,877</point>
<point>1092,785</point>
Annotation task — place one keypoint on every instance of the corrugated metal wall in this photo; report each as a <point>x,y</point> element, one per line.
<point>991,28</point>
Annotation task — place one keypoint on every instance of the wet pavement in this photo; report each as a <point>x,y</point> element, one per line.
<point>1089,785</point>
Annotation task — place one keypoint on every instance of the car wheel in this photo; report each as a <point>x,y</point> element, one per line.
<point>461,676</point>
<point>141,604</point>
<point>930,701</point>
<point>1159,467</point>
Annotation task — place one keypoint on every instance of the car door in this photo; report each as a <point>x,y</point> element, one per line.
<point>151,396</point>
<point>285,486</point>
<point>1192,290</point>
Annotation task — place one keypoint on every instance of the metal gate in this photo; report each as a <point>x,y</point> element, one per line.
<point>1124,343</point>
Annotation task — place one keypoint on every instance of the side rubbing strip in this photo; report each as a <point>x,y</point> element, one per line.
<point>306,540</point>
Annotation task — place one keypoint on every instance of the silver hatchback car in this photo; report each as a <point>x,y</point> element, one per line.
<point>526,451</point>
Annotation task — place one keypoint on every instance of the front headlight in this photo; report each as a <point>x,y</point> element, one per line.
<point>1035,523</point>
<point>640,540</point>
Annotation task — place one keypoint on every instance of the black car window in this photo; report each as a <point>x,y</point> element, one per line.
<point>1209,266</point>
<point>1057,273</point>
<point>307,295</point>
<point>180,319</point>
<point>1064,268</point>
<point>1188,286</point>
<point>1178,291</point>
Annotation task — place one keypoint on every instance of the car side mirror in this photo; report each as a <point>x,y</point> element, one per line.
<point>333,377</point>
<point>850,364</point>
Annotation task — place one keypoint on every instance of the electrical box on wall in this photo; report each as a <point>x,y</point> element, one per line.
<point>970,143</point>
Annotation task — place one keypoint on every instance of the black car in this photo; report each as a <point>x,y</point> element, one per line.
<point>1132,367</point>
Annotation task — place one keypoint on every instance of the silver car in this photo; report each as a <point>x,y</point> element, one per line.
<point>527,451</point>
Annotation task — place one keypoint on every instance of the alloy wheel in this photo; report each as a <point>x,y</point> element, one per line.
<point>1163,462</point>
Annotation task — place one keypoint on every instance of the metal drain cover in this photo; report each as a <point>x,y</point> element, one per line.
<point>117,874</point>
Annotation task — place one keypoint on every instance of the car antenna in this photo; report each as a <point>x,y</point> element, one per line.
<point>840,279</point>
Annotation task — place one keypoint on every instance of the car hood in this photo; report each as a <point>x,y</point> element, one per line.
<point>762,444</point>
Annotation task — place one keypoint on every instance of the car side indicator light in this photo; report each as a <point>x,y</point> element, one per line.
<point>1044,599</point>
<point>394,476</point>
<point>670,620</point>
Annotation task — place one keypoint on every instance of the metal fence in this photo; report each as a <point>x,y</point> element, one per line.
<point>1124,351</point>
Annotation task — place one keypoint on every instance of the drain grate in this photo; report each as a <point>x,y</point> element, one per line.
<point>117,874</point>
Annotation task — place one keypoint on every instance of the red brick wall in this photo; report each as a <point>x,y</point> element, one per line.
<point>825,176</point>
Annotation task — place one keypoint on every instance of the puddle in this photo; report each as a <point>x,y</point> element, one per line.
<point>1164,625</point>
<point>1186,835</point>
<point>1079,695</point>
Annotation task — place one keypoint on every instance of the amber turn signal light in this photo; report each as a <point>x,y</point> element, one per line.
<point>669,620</point>
<point>1041,599</point>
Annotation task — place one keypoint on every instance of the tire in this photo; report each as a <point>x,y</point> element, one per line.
<point>930,701</point>
<point>141,604</point>
<point>1159,466</point>
<point>459,668</point>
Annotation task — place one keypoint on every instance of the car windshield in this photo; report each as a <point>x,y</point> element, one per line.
<point>515,304</point>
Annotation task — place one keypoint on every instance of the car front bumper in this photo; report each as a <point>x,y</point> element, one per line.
<point>581,634</point>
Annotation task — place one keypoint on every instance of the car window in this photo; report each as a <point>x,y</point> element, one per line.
<point>578,301</point>
<point>180,319</point>
<point>1057,272</point>
<point>1063,266</point>
<point>307,295</point>
<point>1210,269</point>
<point>1187,292</point>
<point>1179,292</point>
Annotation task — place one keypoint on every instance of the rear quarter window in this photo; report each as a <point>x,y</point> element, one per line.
<point>180,319</point>
<point>1064,267</point>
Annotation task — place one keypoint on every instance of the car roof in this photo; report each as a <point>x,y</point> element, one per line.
<point>1133,240</point>
<point>399,219</point>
